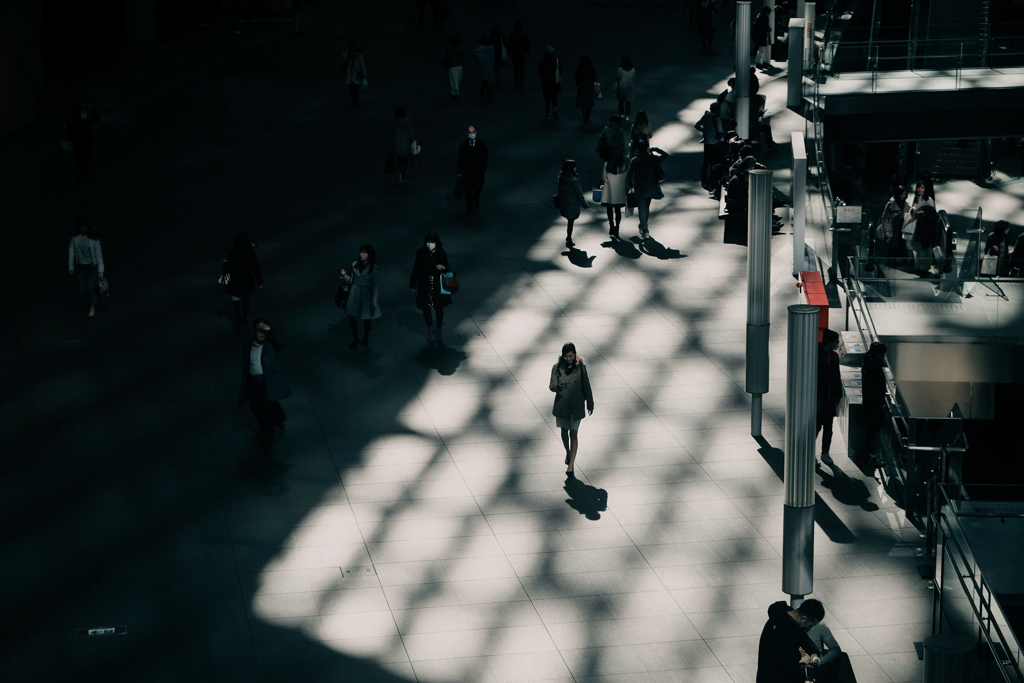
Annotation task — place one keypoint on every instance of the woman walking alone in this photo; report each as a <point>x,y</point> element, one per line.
<point>362,296</point>
<point>624,76</point>
<point>431,261</point>
<point>613,194</point>
<point>243,276</point>
<point>570,198</point>
<point>400,139</point>
<point>586,75</point>
<point>354,67</point>
<point>85,256</point>
<point>571,385</point>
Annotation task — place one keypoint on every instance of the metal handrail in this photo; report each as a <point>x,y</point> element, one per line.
<point>1008,643</point>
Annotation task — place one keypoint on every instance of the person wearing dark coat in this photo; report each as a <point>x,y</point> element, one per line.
<point>243,275</point>
<point>425,280</point>
<point>571,385</point>
<point>570,197</point>
<point>643,178</point>
<point>705,19</point>
<point>830,389</point>
<point>472,165</point>
<point>550,73</point>
<point>78,131</point>
<point>586,75</point>
<point>364,290</point>
<point>760,39</point>
<point>263,384</point>
<point>712,136</point>
<point>874,390</point>
<point>926,236</point>
<point>784,644</point>
<point>518,47</point>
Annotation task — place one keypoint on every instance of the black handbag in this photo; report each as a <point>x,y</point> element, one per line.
<point>341,296</point>
<point>460,189</point>
<point>449,283</point>
<point>631,201</point>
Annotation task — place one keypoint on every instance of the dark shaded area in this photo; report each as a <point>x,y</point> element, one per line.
<point>585,499</point>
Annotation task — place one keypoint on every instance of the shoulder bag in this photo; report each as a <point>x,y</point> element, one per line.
<point>449,283</point>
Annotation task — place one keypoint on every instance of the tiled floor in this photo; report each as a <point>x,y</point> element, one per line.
<point>414,523</point>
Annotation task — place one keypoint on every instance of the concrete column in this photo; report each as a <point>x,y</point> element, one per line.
<point>809,14</point>
<point>798,479</point>
<point>799,194</point>
<point>759,277</point>
<point>743,68</point>
<point>795,41</point>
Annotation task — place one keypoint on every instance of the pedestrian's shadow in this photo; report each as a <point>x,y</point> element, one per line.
<point>653,247</point>
<point>623,248</point>
<point>845,489</point>
<point>585,499</point>
<point>261,468</point>
<point>579,258</point>
<point>444,359</point>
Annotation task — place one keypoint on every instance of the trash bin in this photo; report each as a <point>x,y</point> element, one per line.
<point>948,658</point>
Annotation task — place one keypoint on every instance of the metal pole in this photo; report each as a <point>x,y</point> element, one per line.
<point>809,15</point>
<point>798,479</point>
<point>759,275</point>
<point>799,202</point>
<point>795,79</point>
<point>743,69</point>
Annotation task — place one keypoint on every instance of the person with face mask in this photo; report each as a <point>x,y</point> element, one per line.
<point>425,280</point>
<point>472,164</point>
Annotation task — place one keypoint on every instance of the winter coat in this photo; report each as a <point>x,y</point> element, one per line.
<point>926,227</point>
<point>572,391</point>
<point>426,278</point>
<point>778,650</point>
<point>472,163</point>
<point>625,81</point>
<point>636,134</point>
<point>362,292</point>
<point>892,218</point>
<point>455,56</point>
<point>570,196</point>
<point>354,66</point>
<point>518,43</point>
<point>585,77</point>
<point>615,146</point>
<point>644,176</point>
<point>830,382</point>
<point>547,69</point>
<point>614,191</point>
<point>759,31</point>
<point>402,136</point>
<point>85,251</point>
<point>277,386</point>
<point>245,272</point>
<point>873,384</point>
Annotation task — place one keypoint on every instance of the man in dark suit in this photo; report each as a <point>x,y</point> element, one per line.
<point>263,385</point>
<point>471,168</point>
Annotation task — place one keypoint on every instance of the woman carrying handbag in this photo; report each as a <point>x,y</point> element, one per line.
<point>430,264</point>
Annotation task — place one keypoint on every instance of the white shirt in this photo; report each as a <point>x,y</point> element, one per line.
<point>256,360</point>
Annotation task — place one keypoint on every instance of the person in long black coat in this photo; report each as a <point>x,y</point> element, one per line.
<point>244,275</point>
<point>471,167</point>
<point>586,75</point>
<point>425,280</point>
<point>830,389</point>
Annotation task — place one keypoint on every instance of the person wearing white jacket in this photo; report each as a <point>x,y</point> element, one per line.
<point>85,256</point>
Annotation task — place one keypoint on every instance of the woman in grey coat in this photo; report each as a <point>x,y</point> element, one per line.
<point>362,296</point>
<point>571,385</point>
<point>570,197</point>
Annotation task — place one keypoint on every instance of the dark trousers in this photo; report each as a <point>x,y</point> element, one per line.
<point>624,106</point>
<point>826,415</point>
<point>519,68</point>
<point>550,100</point>
<point>874,419</point>
<point>88,279</point>
<point>614,218</point>
<point>643,210</point>
<point>354,326</point>
<point>429,319</point>
<point>712,155</point>
<point>472,196</point>
<point>839,670</point>
<point>268,414</point>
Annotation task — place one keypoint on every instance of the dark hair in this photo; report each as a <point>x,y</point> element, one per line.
<point>400,112</point>
<point>715,107</point>
<point>585,59</point>
<point>1002,226</point>
<point>568,167</point>
<point>829,336</point>
<point>731,82</point>
<point>642,145</point>
<point>242,242</point>
<point>89,230</point>
<point>877,349</point>
<point>625,64</point>
<point>371,256</point>
<point>432,237</point>
<point>812,609</point>
<point>641,117</point>
<point>566,348</point>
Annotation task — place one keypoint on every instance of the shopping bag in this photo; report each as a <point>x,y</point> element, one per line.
<point>415,161</point>
<point>449,283</point>
<point>597,195</point>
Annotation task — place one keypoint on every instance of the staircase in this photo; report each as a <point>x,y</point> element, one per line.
<point>951,158</point>
<point>952,25</point>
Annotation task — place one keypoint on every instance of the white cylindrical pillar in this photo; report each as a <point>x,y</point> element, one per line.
<point>799,193</point>
<point>743,69</point>
<point>759,276</point>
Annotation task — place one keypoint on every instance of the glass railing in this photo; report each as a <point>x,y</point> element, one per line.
<point>964,603</point>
